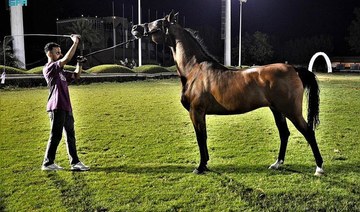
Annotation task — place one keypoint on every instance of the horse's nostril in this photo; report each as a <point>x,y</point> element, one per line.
<point>134,27</point>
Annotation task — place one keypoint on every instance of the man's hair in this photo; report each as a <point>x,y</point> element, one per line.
<point>48,47</point>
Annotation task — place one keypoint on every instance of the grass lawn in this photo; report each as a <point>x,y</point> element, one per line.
<point>141,147</point>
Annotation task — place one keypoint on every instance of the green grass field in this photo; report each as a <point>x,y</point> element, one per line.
<point>141,147</point>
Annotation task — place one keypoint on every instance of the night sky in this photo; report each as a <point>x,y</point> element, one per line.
<point>286,19</point>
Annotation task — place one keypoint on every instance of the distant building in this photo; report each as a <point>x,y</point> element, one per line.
<point>351,64</point>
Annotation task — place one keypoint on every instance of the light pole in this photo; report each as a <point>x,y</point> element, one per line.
<point>227,50</point>
<point>139,20</point>
<point>114,30</point>
<point>241,1</point>
<point>17,28</point>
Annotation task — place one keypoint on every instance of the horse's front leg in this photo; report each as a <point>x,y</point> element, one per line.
<point>198,120</point>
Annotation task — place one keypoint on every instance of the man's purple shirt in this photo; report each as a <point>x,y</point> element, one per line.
<point>57,80</point>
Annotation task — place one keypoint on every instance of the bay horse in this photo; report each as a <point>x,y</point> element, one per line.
<point>209,87</point>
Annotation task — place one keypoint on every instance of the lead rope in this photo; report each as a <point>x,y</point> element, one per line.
<point>111,47</point>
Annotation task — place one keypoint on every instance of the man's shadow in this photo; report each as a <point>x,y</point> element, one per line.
<point>75,193</point>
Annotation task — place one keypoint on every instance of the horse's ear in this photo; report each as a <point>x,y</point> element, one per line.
<point>168,17</point>
<point>175,18</point>
<point>172,18</point>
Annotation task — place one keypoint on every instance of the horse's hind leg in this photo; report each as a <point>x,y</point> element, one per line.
<point>284,132</point>
<point>309,135</point>
<point>199,123</point>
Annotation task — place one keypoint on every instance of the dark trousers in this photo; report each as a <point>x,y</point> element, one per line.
<point>59,120</point>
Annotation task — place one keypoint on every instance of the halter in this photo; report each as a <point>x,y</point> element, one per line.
<point>163,28</point>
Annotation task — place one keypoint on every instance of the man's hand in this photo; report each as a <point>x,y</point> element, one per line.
<point>75,38</point>
<point>81,59</point>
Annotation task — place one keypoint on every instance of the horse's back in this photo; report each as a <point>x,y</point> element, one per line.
<point>274,85</point>
<point>266,77</point>
<point>284,88</point>
<point>240,91</point>
<point>272,71</point>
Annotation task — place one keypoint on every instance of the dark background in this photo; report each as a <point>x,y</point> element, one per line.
<point>284,19</point>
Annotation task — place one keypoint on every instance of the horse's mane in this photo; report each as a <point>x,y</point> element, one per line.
<point>210,58</point>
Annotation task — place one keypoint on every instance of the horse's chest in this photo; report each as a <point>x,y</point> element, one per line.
<point>185,99</point>
<point>193,94</point>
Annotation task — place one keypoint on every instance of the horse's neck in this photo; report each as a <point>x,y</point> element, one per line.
<point>186,52</point>
<point>183,59</point>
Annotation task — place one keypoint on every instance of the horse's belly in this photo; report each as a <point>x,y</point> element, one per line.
<point>238,107</point>
<point>237,103</point>
<point>225,112</point>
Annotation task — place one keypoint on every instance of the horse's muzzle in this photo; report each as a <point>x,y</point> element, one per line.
<point>138,31</point>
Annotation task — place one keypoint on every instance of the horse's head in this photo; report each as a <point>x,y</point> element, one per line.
<point>158,29</point>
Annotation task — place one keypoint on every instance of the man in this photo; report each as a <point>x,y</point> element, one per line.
<point>59,106</point>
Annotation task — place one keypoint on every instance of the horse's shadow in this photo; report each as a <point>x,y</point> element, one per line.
<point>184,168</point>
<point>226,168</point>
<point>145,168</point>
<point>223,173</point>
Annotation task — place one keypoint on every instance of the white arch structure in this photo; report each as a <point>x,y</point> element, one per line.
<point>327,59</point>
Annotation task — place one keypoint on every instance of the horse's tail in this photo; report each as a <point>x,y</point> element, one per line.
<point>312,91</point>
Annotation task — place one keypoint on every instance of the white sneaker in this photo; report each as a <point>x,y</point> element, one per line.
<point>79,167</point>
<point>52,167</point>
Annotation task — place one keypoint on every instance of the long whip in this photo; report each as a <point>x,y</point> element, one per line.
<point>53,35</point>
<point>3,75</point>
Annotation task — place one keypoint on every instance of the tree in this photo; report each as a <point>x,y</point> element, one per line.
<point>261,50</point>
<point>255,49</point>
<point>354,32</point>
<point>89,36</point>
<point>10,57</point>
<point>300,51</point>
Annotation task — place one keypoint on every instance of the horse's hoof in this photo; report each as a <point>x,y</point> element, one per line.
<point>273,166</point>
<point>197,171</point>
<point>319,172</point>
<point>200,170</point>
<point>276,165</point>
